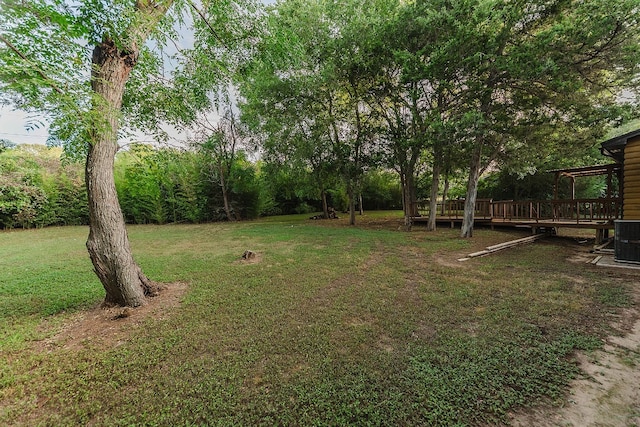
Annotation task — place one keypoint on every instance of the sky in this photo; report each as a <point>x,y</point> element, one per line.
<point>14,127</point>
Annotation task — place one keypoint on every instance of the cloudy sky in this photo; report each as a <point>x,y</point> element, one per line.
<point>13,126</point>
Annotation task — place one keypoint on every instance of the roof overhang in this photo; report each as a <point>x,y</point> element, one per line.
<point>614,147</point>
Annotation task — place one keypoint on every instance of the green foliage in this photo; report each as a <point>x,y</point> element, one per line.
<point>46,52</point>
<point>67,197</point>
<point>43,54</point>
<point>168,185</point>
<point>307,91</point>
<point>19,204</point>
<point>37,190</point>
<point>246,189</point>
<point>497,82</point>
<point>164,185</point>
<point>288,190</point>
<point>213,40</point>
<point>537,183</point>
<point>137,185</point>
<point>157,186</point>
<point>381,190</point>
<point>539,186</point>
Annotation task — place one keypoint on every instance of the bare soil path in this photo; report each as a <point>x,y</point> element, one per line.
<point>609,393</point>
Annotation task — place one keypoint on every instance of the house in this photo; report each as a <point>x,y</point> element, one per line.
<point>625,150</point>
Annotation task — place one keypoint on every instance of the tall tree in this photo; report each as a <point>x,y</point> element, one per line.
<point>316,66</point>
<point>111,63</point>
<point>45,63</point>
<point>219,143</point>
<point>527,63</point>
<point>291,128</point>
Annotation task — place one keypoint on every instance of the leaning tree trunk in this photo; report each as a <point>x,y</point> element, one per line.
<point>108,244</point>
<point>433,199</point>
<point>472,192</point>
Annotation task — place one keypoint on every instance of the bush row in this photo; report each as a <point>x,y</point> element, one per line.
<point>167,185</point>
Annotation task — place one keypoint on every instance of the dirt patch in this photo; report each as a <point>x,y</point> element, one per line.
<point>451,261</point>
<point>584,257</point>
<point>608,395</point>
<point>110,327</point>
<point>252,258</point>
<point>366,222</point>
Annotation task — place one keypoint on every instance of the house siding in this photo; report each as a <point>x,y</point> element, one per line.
<point>631,190</point>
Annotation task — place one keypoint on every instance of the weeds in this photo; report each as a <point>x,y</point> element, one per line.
<point>334,326</point>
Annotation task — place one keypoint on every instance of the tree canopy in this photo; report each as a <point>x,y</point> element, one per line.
<point>486,82</point>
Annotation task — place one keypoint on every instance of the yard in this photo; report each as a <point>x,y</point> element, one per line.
<point>328,325</point>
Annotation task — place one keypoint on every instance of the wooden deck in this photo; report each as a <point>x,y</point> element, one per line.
<point>596,214</point>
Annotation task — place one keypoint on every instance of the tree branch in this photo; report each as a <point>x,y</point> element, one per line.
<point>204,19</point>
<point>38,70</point>
<point>148,14</point>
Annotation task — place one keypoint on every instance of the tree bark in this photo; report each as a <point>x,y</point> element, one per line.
<point>225,195</point>
<point>108,243</point>
<point>435,186</point>
<point>325,205</point>
<point>445,191</point>
<point>433,198</point>
<point>472,192</point>
<point>413,191</point>
<point>352,205</point>
<point>408,184</point>
<point>406,200</point>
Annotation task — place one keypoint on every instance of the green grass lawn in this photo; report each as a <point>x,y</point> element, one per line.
<point>334,325</point>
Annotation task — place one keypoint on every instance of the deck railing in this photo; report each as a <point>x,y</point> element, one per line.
<point>454,209</point>
<point>578,210</point>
